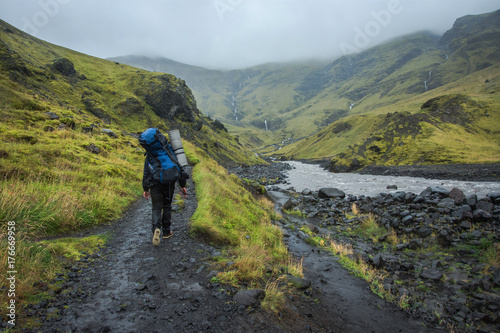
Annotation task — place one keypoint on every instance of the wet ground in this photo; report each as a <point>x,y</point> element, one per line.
<point>131,286</point>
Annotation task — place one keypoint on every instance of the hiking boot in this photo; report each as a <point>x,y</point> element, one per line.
<point>167,234</point>
<point>156,237</point>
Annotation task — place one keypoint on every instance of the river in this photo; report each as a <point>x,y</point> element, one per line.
<point>313,177</point>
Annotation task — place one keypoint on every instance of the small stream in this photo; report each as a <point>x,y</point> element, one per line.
<point>313,177</point>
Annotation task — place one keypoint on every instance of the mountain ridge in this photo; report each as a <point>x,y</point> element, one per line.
<point>271,106</point>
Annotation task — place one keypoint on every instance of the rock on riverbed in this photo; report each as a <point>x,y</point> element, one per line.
<point>440,249</point>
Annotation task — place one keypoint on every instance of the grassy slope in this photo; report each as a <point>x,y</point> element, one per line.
<point>437,142</point>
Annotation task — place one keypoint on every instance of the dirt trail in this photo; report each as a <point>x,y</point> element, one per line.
<point>132,286</point>
<point>347,298</point>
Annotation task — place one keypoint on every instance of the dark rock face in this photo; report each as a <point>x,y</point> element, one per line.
<point>64,66</point>
<point>170,99</point>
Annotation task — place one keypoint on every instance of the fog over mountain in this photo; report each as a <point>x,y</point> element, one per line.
<point>228,34</point>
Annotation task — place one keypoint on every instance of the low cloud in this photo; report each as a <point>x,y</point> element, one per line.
<point>231,33</point>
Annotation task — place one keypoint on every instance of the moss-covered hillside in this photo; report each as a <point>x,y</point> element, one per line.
<point>37,77</point>
<point>455,124</point>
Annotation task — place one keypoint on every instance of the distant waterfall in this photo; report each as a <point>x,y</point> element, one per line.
<point>265,123</point>
<point>428,80</point>
<point>351,106</point>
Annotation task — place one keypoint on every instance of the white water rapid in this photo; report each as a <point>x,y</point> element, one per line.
<point>313,177</point>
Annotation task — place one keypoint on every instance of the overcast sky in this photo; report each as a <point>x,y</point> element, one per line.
<point>232,34</point>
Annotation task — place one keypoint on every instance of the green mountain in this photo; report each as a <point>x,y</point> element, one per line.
<point>241,99</point>
<point>441,106</point>
<point>273,105</point>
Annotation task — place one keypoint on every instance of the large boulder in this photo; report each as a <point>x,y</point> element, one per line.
<point>458,196</point>
<point>330,192</point>
<point>170,98</point>
<point>64,66</point>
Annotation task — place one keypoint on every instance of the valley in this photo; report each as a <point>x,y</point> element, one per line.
<point>71,170</point>
<point>325,109</point>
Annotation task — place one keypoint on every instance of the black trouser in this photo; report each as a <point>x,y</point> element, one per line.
<point>161,198</point>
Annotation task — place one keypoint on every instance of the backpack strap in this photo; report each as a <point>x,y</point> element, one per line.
<point>172,156</point>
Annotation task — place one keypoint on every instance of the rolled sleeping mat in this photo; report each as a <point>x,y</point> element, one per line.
<point>176,143</point>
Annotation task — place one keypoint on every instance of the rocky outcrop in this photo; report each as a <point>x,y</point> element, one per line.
<point>64,66</point>
<point>169,98</point>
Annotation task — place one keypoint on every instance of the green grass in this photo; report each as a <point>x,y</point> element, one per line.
<point>228,215</point>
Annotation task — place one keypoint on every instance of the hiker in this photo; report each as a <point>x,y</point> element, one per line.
<point>161,195</point>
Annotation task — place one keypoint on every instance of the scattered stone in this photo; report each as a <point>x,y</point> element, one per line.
<point>424,232</point>
<point>443,238</point>
<point>109,133</point>
<point>298,282</point>
<point>378,261</point>
<point>52,115</point>
<point>249,297</point>
<point>302,235</point>
<point>458,196</point>
<point>290,204</point>
<point>432,274</point>
<point>93,148</point>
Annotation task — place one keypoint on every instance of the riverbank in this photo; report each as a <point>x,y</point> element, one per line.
<point>465,172</point>
<point>436,252</point>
